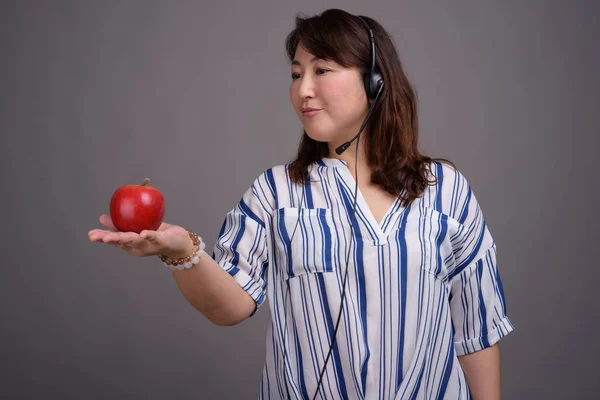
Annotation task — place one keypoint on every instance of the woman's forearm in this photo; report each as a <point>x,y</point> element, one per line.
<point>482,370</point>
<point>213,292</point>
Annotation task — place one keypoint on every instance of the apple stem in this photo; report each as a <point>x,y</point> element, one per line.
<point>146,181</point>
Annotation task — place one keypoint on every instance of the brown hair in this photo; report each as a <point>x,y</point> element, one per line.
<point>391,145</point>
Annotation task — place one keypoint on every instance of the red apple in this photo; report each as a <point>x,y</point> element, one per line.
<point>134,208</point>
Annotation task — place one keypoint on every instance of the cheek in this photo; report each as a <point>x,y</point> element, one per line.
<point>347,86</point>
<point>355,91</point>
<point>331,89</point>
<point>295,99</point>
<point>345,97</point>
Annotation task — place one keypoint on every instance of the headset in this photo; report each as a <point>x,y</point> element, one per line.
<point>373,81</point>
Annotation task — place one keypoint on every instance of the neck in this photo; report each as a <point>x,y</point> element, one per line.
<point>349,156</point>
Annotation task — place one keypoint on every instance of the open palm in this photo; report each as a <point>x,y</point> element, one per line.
<point>168,239</point>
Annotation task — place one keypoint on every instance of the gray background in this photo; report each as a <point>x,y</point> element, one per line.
<point>194,95</point>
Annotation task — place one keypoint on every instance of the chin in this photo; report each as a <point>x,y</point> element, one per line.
<point>319,136</point>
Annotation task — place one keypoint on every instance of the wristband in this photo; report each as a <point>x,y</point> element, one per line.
<point>178,264</point>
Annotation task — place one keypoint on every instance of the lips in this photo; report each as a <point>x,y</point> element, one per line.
<point>310,111</point>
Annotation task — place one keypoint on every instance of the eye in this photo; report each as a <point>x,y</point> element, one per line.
<point>321,69</point>
<point>295,75</point>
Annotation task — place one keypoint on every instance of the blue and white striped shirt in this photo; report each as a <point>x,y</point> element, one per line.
<point>423,286</point>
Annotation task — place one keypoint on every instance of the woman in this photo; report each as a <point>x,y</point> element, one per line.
<point>377,262</point>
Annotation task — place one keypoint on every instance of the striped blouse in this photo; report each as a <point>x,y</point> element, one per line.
<point>423,286</point>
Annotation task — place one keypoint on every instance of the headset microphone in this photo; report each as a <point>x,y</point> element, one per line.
<point>344,146</point>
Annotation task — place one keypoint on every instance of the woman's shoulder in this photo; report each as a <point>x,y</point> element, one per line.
<point>449,192</point>
<point>275,186</point>
<point>270,182</point>
<point>274,176</point>
<point>280,174</point>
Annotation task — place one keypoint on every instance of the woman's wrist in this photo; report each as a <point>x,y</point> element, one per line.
<point>187,259</point>
<point>181,253</point>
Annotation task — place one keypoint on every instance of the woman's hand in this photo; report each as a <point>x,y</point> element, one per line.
<point>169,240</point>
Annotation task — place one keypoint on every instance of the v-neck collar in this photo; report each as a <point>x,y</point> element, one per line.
<point>377,232</point>
<point>334,162</point>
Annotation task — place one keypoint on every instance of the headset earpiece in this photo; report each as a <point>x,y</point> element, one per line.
<point>373,84</point>
<point>373,78</point>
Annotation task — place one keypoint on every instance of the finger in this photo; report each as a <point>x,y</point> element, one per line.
<point>112,237</point>
<point>97,231</point>
<point>155,237</point>
<point>147,235</point>
<point>163,226</point>
<point>107,221</point>
<point>160,238</point>
<point>131,240</point>
<point>96,235</point>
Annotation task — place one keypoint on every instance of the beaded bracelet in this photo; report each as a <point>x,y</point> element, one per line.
<point>186,262</point>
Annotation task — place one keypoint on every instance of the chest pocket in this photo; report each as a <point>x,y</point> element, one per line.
<point>313,246</point>
<point>430,241</point>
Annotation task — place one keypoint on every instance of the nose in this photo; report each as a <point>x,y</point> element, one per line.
<point>306,88</point>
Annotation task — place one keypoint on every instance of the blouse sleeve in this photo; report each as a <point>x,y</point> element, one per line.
<point>477,302</point>
<point>241,247</point>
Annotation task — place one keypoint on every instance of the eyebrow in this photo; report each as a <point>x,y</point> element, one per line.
<point>296,62</point>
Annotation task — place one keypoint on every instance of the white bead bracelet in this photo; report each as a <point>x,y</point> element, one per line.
<point>189,261</point>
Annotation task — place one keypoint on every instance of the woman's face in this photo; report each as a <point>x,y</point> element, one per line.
<point>338,93</point>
